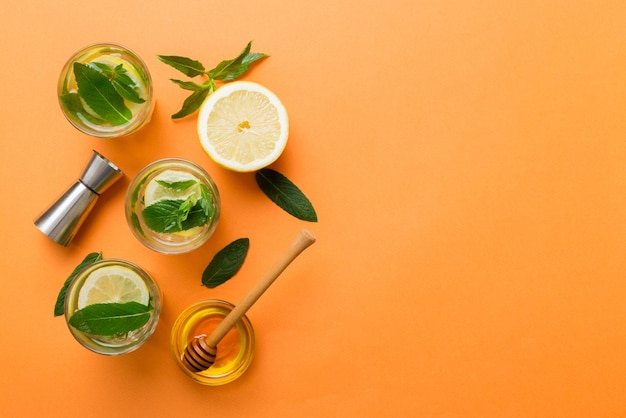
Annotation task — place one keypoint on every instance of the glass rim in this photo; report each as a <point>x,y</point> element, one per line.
<point>177,349</point>
<point>72,293</point>
<point>137,183</point>
<point>144,112</point>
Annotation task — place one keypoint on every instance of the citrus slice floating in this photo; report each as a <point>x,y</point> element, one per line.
<point>113,284</point>
<point>156,191</point>
<point>243,126</point>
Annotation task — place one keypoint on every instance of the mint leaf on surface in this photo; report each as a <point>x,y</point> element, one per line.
<point>108,319</point>
<point>187,66</point>
<point>225,71</point>
<point>285,194</point>
<point>91,258</point>
<point>189,85</point>
<point>226,263</point>
<point>232,69</point>
<point>193,102</point>
<point>98,92</point>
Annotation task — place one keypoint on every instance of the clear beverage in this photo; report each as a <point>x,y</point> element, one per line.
<point>172,206</point>
<point>77,296</point>
<point>105,90</point>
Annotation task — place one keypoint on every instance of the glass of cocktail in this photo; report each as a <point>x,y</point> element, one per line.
<point>172,206</point>
<point>105,90</point>
<point>112,307</point>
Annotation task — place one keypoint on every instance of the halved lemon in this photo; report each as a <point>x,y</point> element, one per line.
<point>113,284</point>
<point>243,126</point>
<point>155,191</point>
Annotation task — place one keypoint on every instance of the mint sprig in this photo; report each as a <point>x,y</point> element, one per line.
<point>110,319</point>
<point>98,92</point>
<point>175,215</point>
<point>104,89</point>
<point>285,194</point>
<point>59,306</point>
<point>225,71</point>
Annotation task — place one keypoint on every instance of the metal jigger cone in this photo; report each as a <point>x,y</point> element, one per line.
<point>63,218</point>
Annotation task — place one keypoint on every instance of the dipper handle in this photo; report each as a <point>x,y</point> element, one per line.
<point>200,354</point>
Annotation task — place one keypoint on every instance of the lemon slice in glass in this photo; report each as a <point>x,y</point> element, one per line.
<point>243,126</point>
<point>156,191</point>
<point>113,284</point>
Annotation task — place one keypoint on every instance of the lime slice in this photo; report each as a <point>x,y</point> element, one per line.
<point>113,284</point>
<point>156,191</point>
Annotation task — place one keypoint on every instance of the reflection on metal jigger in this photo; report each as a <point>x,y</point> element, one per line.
<point>62,219</point>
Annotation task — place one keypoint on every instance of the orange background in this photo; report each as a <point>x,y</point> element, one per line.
<point>468,165</point>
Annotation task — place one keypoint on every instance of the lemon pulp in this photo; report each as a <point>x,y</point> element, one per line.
<point>243,126</point>
<point>113,284</point>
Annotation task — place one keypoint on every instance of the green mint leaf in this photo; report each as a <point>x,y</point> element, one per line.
<point>285,194</point>
<point>193,102</point>
<point>189,85</point>
<point>183,211</point>
<point>179,186</point>
<point>74,105</point>
<point>226,263</point>
<point>125,85</point>
<point>232,69</point>
<point>98,92</point>
<point>121,81</point>
<point>162,216</point>
<point>127,91</point>
<point>59,306</point>
<point>103,68</point>
<point>108,319</point>
<point>166,216</point>
<point>205,200</point>
<point>187,66</point>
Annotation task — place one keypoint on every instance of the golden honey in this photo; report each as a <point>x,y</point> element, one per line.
<point>234,351</point>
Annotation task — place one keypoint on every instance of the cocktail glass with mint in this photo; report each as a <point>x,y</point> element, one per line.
<point>172,206</point>
<point>105,90</point>
<point>112,306</point>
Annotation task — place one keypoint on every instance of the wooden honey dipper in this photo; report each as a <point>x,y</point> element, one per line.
<point>200,353</point>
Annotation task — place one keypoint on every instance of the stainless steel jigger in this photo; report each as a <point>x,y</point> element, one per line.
<point>64,217</point>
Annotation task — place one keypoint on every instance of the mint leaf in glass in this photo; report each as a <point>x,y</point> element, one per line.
<point>98,92</point>
<point>168,216</point>
<point>91,258</point>
<point>226,263</point>
<point>109,319</point>
<point>285,194</point>
<point>120,80</point>
<point>124,85</point>
<point>178,186</point>
<point>74,105</point>
<point>205,200</point>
